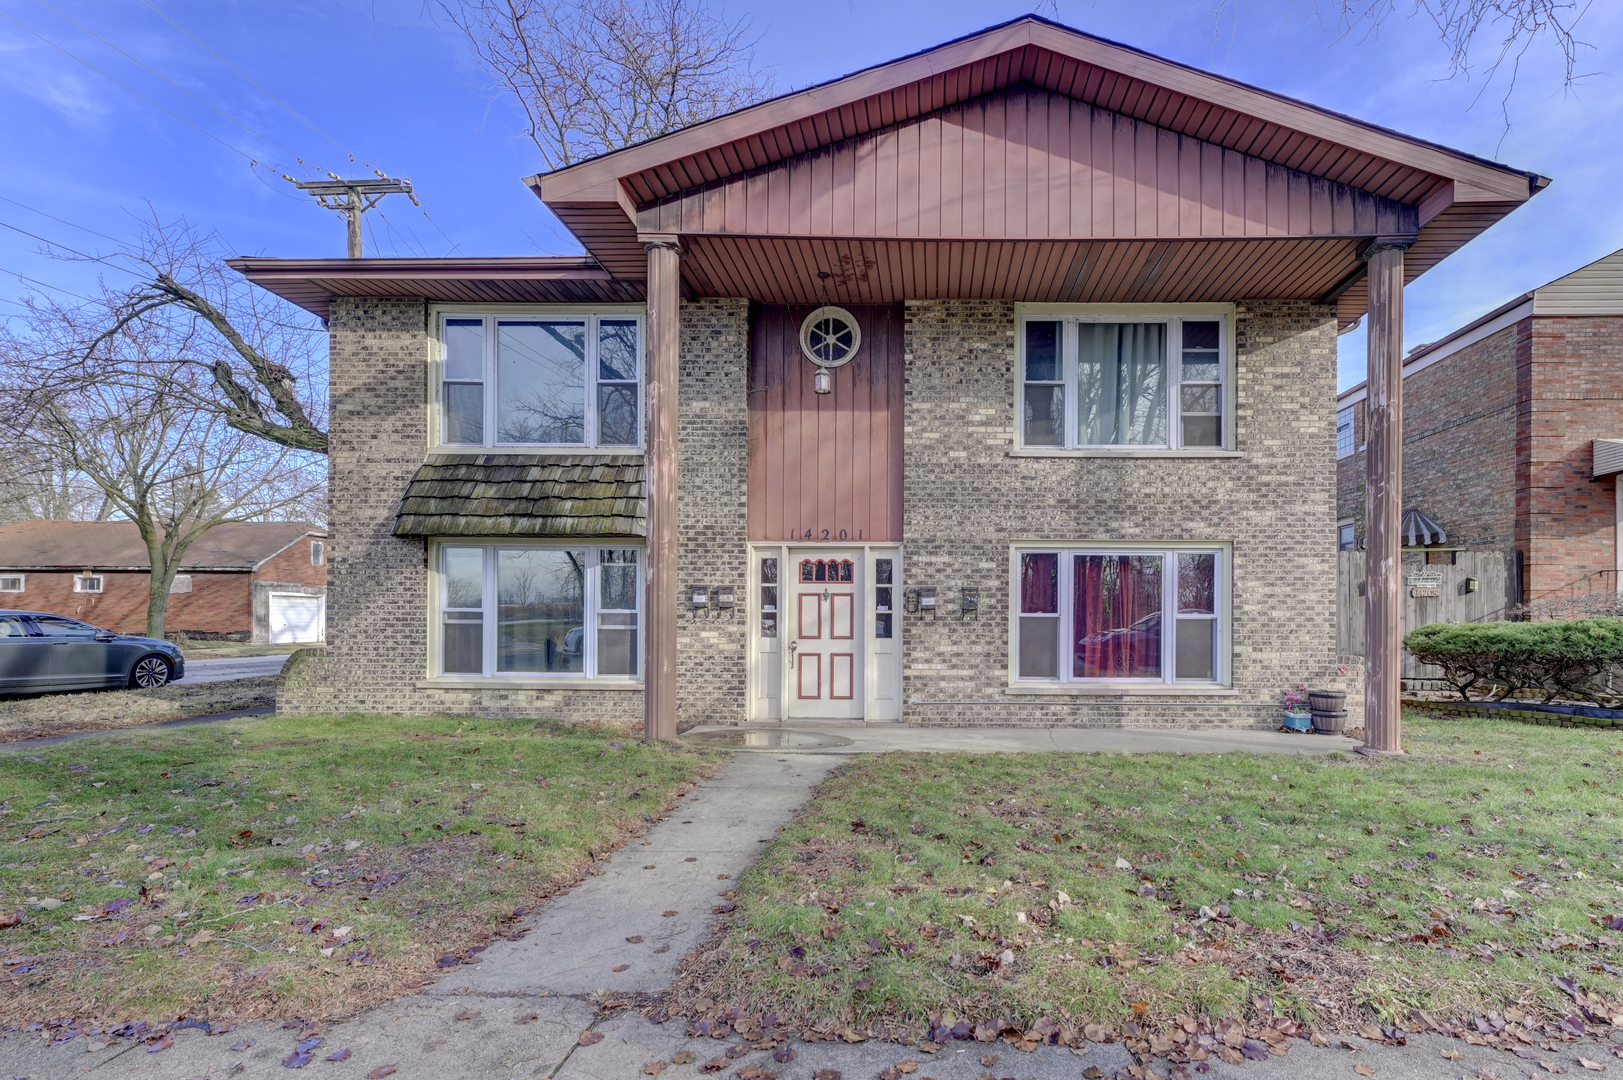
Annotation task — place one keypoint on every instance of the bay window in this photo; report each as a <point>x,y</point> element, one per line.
<point>1131,615</point>
<point>541,380</point>
<point>540,610</point>
<point>1123,383</point>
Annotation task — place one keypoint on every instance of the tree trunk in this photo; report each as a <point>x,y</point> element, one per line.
<point>164,566</point>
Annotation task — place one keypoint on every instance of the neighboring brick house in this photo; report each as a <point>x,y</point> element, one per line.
<point>1511,436</point>
<point>993,385</point>
<point>263,581</point>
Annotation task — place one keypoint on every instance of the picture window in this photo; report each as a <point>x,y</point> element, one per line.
<point>540,610</point>
<point>1114,616</point>
<point>1149,383</point>
<point>552,380</point>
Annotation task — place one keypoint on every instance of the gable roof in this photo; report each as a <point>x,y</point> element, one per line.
<point>1454,195</point>
<point>117,545</point>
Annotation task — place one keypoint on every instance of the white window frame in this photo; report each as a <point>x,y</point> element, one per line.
<point>490,316</point>
<point>1346,529</point>
<point>587,676</point>
<point>318,553</point>
<point>1168,681</point>
<point>82,584</point>
<point>1171,316</point>
<point>1346,420</point>
<point>20,579</point>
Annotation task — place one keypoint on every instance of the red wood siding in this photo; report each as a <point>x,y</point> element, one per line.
<point>1026,163</point>
<point>831,461</point>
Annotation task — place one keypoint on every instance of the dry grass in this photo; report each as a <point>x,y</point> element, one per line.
<point>107,710</point>
<point>304,867</point>
<point>1118,892</point>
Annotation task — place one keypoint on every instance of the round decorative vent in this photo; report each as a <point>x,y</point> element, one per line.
<point>830,337</point>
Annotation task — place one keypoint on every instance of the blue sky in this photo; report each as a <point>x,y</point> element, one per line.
<point>385,81</point>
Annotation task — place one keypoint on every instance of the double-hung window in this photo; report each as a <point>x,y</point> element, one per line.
<point>540,610</point>
<point>1094,615</point>
<point>541,380</point>
<point>1119,382</point>
<point>1345,444</point>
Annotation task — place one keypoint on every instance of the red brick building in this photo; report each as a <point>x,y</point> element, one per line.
<point>260,581</point>
<point>1512,428</point>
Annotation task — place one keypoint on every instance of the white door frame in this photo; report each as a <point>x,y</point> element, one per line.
<point>768,678</point>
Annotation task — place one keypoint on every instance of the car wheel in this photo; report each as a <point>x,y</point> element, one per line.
<point>150,672</point>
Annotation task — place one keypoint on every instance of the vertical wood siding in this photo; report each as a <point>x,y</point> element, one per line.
<point>831,461</point>
<point>1024,163</point>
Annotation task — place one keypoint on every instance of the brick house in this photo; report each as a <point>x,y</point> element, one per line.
<point>263,581</point>
<point>992,385</point>
<point>1511,436</point>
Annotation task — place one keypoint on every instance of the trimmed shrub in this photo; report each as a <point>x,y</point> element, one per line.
<point>1580,658</point>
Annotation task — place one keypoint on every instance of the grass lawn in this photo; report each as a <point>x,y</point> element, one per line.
<point>103,710</point>
<point>1136,894</point>
<point>296,866</point>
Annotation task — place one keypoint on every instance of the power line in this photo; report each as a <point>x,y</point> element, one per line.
<point>62,221</point>
<point>49,243</point>
<point>44,285</point>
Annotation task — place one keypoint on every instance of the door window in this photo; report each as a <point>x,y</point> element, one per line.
<point>12,627</point>
<point>58,627</point>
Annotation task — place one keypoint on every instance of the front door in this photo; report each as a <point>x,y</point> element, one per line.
<point>824,619</point>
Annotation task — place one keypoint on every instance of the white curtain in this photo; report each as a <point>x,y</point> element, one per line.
<point>1121,384</point>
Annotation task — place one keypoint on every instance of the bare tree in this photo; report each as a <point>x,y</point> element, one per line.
<point>1502,31</point>
<point>153,456</point>
<point>595,75</point>
<point>232,350</point>
<point>34,486</point>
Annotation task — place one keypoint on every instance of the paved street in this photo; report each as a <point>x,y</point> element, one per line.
<point>242,667</point>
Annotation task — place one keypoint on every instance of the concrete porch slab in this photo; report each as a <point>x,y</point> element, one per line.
<point>883,738</point>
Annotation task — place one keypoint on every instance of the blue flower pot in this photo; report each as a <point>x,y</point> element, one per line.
<point>1299,721</point>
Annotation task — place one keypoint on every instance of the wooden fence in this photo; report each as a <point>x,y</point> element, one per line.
<point>1432,593</point>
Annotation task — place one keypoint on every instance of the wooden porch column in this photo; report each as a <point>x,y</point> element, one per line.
<point>1383,499</point>
<point>664,350</point>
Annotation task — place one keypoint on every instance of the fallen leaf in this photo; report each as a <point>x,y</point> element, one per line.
<point>784,1054</point>
<point>716,1064</point>
<point>1452,1055</point>
<point>635,939</point>
<point>298,1059</point>
<point>654,1068</point>
<point>589,1038</point>
<point>1363,1070</point>
<point>1592,1066</point>
<point>380,1072</point>
<point>341,1055</point>
<point>989,1060</point>
<point>682,1057</point>
<point>826,1074</point>
<point>527,1018</point>
<point>623,967</point>
<point>467,1014</point>
<point>668,914</point>
<point>162,1044</point>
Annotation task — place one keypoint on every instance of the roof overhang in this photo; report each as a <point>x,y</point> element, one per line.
<point>312,284</point>
<point>606,201</point>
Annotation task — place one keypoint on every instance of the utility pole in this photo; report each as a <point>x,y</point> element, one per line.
<point>352,198</point>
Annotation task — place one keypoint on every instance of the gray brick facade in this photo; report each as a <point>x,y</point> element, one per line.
<point>377,607</point>
<point>965,500</point>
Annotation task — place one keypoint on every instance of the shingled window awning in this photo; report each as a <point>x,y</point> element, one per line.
<point>525,495</point>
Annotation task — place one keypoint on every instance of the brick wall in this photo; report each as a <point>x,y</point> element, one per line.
<point>966,499</point>
<point>220,603</point>
<point>292,566</point>
<point>1496,447</point>
<point>1459,446</point>
<point>377,597</point>
<point>1571,380</point>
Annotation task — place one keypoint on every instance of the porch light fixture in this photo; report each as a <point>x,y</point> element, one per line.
<point>1472,584</point>
<point>830,337</point>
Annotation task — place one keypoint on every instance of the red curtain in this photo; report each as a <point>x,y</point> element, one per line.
<point>1118,617</point>
<point>1039,584</point>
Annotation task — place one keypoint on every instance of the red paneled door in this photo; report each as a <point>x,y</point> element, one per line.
<point>825,632</point>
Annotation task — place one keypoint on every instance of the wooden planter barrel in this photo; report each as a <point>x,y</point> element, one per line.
<point>1329,723</point>
<point>1328,701</point>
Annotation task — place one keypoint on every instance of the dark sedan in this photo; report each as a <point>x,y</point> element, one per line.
<point>40,652</point>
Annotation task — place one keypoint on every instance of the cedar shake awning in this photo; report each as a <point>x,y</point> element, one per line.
<point>525,495</point>
<point>1418,530</point>
<point>1031,161</point>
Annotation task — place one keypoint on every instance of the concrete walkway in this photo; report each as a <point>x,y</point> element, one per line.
<point>880,738</point>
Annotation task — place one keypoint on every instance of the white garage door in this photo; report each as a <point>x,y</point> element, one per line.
<point>295,618</point>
